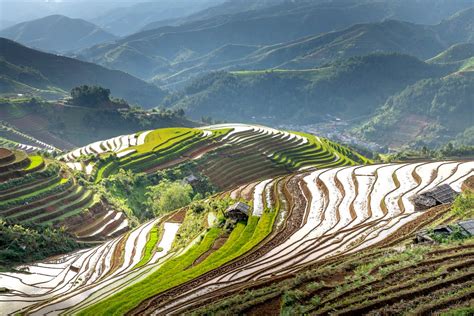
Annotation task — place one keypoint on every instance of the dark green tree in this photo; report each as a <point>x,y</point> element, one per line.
<point>90,96</point>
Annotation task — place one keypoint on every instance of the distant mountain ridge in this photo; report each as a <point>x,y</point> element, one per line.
<point>57,33</point>
<point>304,96</point>
<point>132,18</point>
<point>421,41</point>
<point>166,54</point>
<point>26,69</point>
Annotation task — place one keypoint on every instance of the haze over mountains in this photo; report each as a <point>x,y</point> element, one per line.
<point>237,157</point>
<point>25,70</point>
<point>57,33</point>
<point>264,61</point>
<point>160,51</point>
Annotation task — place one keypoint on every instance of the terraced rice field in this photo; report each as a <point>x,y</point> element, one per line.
<point>242,153</point>
<point>22,141</point>
<point>35,190</point>
<point>298,221</point>
<point>29,128</point>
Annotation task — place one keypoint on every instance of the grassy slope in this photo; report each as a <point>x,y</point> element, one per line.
<point>304,95</point>
<point>66,73</point>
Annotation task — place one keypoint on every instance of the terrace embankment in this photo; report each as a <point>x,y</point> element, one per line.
<point>42,191</point>
<point>375,227</point>
<point>307,236</point>
<point>228,154</point>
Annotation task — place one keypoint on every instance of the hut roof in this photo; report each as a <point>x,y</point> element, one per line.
<point>239,206</point>
<point>468,226</point>
<point>442,194</point>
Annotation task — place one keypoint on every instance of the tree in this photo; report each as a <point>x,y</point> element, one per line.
<point>90,96</point>
<point>180,112</point>
<point>168,196</point>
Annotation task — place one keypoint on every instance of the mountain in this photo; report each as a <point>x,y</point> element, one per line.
<point>388,36</point>
<point>144,53</point>
<point>454,54</point>
<point>57,33</point>
<point>227,8</point>
<point>313,51</point>
<point>430,112</point>
<point>167,52</point>
<point>303,96</point>
<point>129,19</point>
<point>458,28</point>
<point>22,66</point>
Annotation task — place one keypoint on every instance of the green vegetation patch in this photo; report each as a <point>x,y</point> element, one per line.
<point>35,162</point>
<point>150,247</point>
<point>26,243</point>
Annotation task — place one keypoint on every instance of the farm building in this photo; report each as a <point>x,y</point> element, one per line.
<point>468,226</point>
<point>191,179</point>
<point>441,194</point>
<point>467,229</point>
<point>424,235</point>
<point>238,211</point>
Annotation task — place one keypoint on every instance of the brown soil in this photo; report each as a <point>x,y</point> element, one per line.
<point>177,217</point>
<point>5,153</point>
<point>468,184</point>
<point>269,307</point>
<point>219,242</point>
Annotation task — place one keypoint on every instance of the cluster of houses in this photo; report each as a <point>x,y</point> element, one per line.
<point>440,195</point>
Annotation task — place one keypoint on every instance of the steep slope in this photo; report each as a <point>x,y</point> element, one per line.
<point>454,54</point>
<point>421,41</point>
<point>39,70</point>
<point>57,33</point>
<point>388,36</point>
<point>429,112</point>
<point>305,95</point>
<point>458,28</point>
<point>44,192</point>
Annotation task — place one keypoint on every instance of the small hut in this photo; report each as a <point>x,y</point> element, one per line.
<point>439,195</point>
<point>238,211</point>
<point>467,226</point>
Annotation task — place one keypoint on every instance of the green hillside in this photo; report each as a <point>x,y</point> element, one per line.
<point>303,95</point>
<point>457,53</point>
<point>38,70</point>
<point>57,33</point>
<point>66,126</point>
<point>430,112</point>
<point>388,36</point>
<point>227,154</point>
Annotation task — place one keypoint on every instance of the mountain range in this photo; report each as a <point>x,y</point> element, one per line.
<point>57,33</point>
<point>276,62</point>
<point>375,92</point>
<point>25,70</point>
<point>129,19</point>
<point>159,53</point>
